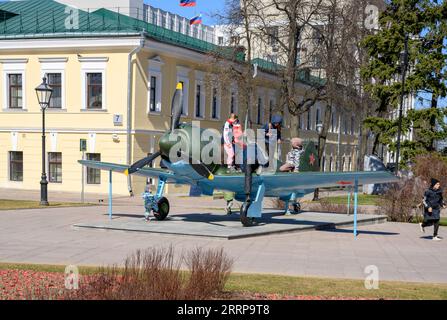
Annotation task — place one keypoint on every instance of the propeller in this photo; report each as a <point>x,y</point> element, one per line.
<point>141,163</point>
<point>176,113</point>
<point>177,106</point>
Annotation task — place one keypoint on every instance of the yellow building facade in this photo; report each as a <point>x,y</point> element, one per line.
<point>113,90</point>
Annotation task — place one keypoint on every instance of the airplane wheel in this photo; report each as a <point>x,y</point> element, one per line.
<point>246,221</point>
<point>296,208</point>
<point>163,209</point>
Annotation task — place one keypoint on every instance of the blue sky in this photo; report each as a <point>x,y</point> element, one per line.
<point>206,7</point>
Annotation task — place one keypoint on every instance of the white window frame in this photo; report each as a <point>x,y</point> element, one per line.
<point>155,65</point>
<point>183,75</point>
<point>14,66</point>
<point>199,81</point>
<point>93,65</point>
<point>8,155</point>
<point>55,65</point>
<point>218,103</point>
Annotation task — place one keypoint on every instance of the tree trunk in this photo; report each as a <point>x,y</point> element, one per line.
<point>434,104</point>
<point>363,147</point>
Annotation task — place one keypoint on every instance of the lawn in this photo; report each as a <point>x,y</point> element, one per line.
<point>25,204</point>
<point>363,199</point>
<point>295,286</point>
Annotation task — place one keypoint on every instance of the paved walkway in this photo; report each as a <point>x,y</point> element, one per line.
<point>398,250</point>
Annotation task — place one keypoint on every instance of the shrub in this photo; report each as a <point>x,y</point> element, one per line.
<point>430,166</point>
<point>403,201</point>
<point>153,274</point>
<point>209,273</point>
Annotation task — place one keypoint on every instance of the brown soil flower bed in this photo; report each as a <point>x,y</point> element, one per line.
<point>24,285</point>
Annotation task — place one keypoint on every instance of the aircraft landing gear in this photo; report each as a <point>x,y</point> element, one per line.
<point>245,220</point>
<point>156,203</point>
<point>296,208</point>
<point>162,210</point>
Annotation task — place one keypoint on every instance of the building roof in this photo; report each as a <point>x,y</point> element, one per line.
<point>49,19</point>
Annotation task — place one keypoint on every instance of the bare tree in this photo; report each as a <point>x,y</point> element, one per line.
<point>319,55</point>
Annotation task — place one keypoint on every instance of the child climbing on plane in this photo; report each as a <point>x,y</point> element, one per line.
<point>228,141</point>
<point>293,157</point>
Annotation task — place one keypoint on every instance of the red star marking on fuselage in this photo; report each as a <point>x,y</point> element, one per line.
<point>312,159</point>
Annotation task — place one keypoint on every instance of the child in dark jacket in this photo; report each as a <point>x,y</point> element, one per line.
<point>433,202</point>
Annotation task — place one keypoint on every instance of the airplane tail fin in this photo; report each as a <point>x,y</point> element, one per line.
<point>309,160</point>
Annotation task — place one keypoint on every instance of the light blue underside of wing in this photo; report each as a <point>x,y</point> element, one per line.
<point>145,172</point>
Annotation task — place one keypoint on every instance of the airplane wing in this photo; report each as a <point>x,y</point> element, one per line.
<point>145,172</point>
<point>310,180</point>
<point>284,183</point>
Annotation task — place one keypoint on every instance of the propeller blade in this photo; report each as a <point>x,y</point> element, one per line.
<point>199,167</point>
<point>177,106</point>
<point>141,163</point>
<point>203,170</point>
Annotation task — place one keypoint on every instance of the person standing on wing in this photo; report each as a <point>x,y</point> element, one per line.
<point>433,202</point>
<point>228,141</point>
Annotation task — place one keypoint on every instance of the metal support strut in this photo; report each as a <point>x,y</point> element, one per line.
<point>160,188</point>
<point>110,194</point>
<point>356,194</point>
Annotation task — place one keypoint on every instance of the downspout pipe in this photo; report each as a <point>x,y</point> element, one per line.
<point>129,107</point>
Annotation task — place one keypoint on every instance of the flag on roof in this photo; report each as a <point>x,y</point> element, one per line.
<point>196,20</point>
<point>188,3</point>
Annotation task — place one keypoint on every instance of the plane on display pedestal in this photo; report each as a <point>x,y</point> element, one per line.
<point>247,186</point>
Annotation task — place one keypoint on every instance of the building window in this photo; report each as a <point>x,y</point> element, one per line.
<point>331,162</point>
<point>352,125</point>
<point>334,122</point>
<point>154,17</point>
<point>270,109</point>
<point>199,112</point>
<point>150,181</point>
<point>55,82</point>
<point>317,117</point>
<point>172,23</point>
<point>15,91</point>
<point>346,126</point>
<point>220,41</point>
<point>94,90</point>
<point>55,167</point>
<point>214,105</point>
<point>272,33</point>
<point>93,175</point>
<point>309,117</point>
<point>259,111</point>
<point>184,113</point>
<point>16,165</point>
<point>153,94</point>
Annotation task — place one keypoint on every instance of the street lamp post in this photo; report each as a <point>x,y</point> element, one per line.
<point>44,92</point>
<point>320,132</point>
<point>402,94</point>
